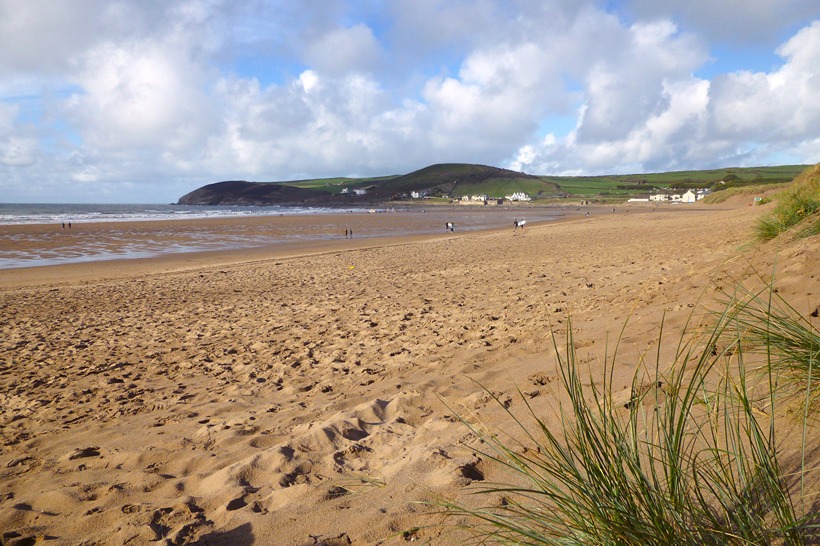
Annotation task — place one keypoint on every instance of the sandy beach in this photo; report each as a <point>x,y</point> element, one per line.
<point>299,395</point>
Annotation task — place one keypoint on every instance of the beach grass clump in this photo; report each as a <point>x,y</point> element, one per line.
<point>690,458</point>
<point>798,209</point>
<point>721,196</point>
<point>788,341</point>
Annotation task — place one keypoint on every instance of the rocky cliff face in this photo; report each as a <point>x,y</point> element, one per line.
<point>240,192</point>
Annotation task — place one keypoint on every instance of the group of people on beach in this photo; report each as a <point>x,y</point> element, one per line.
<point>69,225</point>
<point>348,233</point>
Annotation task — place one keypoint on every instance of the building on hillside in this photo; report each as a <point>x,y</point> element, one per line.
<point>689,197</point>
<point>518,196</point>
<point>665,197</point>
<point>692,196</point>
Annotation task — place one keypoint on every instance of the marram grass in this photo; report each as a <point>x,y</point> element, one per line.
<point>691,459</point>
<point>797,209</point>
<point>789,342</point>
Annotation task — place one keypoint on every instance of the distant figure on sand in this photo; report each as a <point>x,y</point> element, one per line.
<point>518,224</point>
<point>346,233</point>
<point>351,233</point>
<point>449,226</point>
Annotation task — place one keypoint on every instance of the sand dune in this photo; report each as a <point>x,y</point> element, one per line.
<point>303,399</point>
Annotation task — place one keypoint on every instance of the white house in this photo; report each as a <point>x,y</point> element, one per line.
<point>674,197</point>
<point>359,191</point>
<point>518,196</point>
<point>692,196</point>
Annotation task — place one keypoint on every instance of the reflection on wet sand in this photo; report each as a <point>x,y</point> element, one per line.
<point>39,245</point>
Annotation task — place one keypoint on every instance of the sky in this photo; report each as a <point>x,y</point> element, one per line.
<point>142,101</point>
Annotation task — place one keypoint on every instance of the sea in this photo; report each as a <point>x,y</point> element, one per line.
<point>26,213</point>
<point>62,240</point>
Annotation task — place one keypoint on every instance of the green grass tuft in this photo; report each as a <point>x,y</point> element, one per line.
<point>798,209</point>
<point>689,459</point>
<point>747,191</point>
<point>789,342</point>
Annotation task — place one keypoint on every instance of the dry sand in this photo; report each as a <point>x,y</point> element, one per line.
<point>268,397</point>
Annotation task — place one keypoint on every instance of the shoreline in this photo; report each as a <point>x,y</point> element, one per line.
<point>269,236</point>
<point>109,245</point>
<point>89,270</point>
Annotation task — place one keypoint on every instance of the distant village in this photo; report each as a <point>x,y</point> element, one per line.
<point>480,199</point>
<point>690,196</point>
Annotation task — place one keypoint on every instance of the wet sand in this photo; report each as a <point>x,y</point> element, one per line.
<point>56,244</point>
<point>296,395</point>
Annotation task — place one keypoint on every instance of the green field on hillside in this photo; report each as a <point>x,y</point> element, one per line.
<point>499,187</point>
<point>632,184</point>
<point>336,185</point>
<point>457,180</point>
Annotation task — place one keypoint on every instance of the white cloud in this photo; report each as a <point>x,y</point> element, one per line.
<point>131,96</point>
<point>737,21</point>
<point>18,145</point>
<point>167,96</point>
<point>626,88</point>
<point>313,123</point>
<point>88,174</point>
<point>8,113</point>
<point>42,36</point>
<point>17,151</point>
<point>643,110</point>
<point>344,50</point>
<point>309,80</point>
<point>778,106</point>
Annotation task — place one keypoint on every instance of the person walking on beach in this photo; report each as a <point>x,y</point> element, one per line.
<point>346,232</point>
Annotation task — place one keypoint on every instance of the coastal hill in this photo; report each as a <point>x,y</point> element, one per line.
<point>240,192</point>
<point>454,180</point>
<point>457,179</point>
<point>450,180</point>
